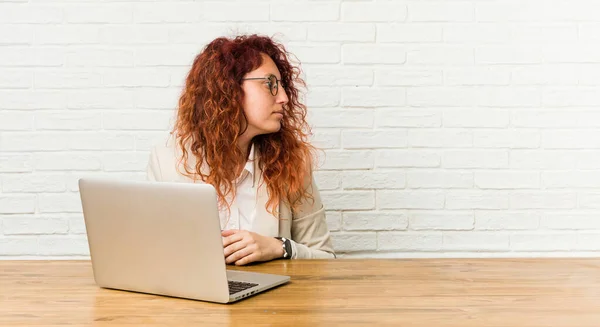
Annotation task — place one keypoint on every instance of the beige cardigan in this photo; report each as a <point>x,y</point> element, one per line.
<point>306,226</point>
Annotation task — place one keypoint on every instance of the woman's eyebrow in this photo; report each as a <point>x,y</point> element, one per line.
<point>269,74</point>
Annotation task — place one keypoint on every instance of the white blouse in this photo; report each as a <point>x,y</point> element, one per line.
<point>245,206</point>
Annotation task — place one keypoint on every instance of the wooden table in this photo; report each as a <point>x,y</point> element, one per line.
<point>375,292</point>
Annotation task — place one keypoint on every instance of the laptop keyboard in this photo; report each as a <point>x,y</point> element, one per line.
<point>235,286</point>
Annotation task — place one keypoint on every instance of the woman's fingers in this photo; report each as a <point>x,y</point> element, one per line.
<point>247,259</point>
<point>236,237</point>
<point>234,247</point>
<point>239,254</point>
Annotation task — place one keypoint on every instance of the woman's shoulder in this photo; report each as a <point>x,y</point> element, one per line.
<point>166,157</point>
<point>165,147</point>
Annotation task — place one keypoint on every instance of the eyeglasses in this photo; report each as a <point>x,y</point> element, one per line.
<point>272,82</point>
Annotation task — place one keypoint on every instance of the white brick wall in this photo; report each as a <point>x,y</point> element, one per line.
<point>448,127</point>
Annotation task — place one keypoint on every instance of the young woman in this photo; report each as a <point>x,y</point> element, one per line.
<point>241,128</point>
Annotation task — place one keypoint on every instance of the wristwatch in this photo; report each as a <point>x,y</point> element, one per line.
<point>287,247</point>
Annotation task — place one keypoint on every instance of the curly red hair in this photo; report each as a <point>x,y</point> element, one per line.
<point>210,119</point>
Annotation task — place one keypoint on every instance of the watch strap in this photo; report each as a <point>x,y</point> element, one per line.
<point>287,247</point>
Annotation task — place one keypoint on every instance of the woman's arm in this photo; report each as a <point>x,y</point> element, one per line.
<point>310,234</point>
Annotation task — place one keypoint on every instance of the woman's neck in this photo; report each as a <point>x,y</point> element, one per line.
<point>244,144</point>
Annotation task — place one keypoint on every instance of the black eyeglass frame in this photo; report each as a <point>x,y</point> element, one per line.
<point>270,79</point>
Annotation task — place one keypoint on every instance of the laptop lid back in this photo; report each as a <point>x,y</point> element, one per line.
<point>160,238</point>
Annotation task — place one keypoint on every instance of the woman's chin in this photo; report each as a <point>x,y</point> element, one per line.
<point>271,129</point>
<point>275,127</point>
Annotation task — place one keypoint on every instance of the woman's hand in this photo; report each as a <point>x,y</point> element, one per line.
<point>243,247</point>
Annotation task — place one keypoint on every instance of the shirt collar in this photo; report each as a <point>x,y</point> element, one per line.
<point>250,163</point>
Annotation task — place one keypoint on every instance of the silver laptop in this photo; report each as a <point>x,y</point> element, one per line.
<point>162,238</point>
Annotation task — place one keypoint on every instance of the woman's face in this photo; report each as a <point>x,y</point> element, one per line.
<point>263,110</point>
